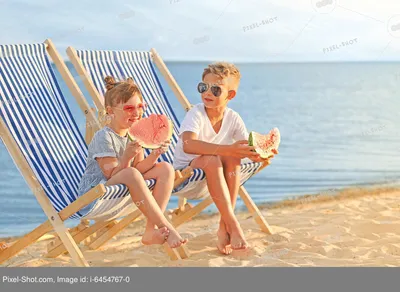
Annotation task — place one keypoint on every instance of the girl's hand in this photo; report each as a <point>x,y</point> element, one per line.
<point>132,149</point>
<point>163,149</point>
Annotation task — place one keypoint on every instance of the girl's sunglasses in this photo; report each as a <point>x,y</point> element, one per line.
<point>130,109</point>
<point>215,89</point>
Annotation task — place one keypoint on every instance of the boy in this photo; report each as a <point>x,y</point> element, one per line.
<point>214,138</point>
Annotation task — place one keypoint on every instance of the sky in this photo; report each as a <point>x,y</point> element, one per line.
<point>204,30</point>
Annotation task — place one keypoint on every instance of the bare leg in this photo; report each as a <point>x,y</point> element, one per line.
<point>163,173</point>
<point>231,167</point>
<point>145,201</point>
<point>219,191</point>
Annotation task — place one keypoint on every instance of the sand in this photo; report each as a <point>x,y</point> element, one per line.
<point>356,227</point>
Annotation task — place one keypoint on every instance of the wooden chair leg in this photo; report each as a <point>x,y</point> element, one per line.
<point>98,233</point>
<point>185,216</point>
<point>253,209</point>
<point>182,176</point>
<point>181,203</point>
<point>171,252</point>
<point>183,252</point>
<point>114,230</point>
<point>58,248</point>
<point>73,231</point>
<point>69,243</point>
<point>25,241</point>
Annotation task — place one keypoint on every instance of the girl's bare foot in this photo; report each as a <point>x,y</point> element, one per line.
<point>175,240</point>
<point>155,236</point>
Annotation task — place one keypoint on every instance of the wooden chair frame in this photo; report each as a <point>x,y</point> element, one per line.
<point>67,239</point>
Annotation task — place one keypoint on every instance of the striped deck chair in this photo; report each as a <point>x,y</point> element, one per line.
<point>43,139</point>
<point>93,66</point>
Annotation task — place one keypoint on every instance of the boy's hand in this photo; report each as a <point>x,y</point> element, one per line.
<point>267,160</point>
<point>242,149</point>
<point>163,149</point>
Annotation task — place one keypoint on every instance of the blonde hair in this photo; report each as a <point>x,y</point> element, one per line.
<point>224,70</point>
<point>120,92</point>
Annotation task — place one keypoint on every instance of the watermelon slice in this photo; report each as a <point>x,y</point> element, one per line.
<point>151,131</point>
<point>265,143</point>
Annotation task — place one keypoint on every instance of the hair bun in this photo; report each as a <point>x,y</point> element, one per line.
<point>130,80</point>
<point>110,82</point>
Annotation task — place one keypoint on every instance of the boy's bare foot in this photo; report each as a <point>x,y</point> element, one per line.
<point>223,242</point>
<point>155,236</point>
<point>238,241</point>
<point>175,240</point>
<point>236,235</point>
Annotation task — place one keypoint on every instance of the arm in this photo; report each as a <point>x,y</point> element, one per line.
<point>147,163</point>
<point>192,145</point>
<point>110,166</point>
<point>241,133</point>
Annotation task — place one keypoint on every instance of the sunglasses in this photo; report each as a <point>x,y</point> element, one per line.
<point>130,109</point>
<point>215,89</point>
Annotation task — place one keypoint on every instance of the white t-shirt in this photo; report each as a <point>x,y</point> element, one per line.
<point>196,120</point>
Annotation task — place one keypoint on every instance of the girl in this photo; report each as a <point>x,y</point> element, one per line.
<point>114,159</point>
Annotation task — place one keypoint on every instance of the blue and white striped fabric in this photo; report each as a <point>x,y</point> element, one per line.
<point>139,66</point>
<point>34,110</point>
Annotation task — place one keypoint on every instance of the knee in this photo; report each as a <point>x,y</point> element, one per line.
<point>130,174</point>
<point>166,169</point>
<point>211,161</point>
<point>231,161</point>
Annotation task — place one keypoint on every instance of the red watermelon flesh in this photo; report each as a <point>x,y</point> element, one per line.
<point>264,144</point>
<point>151,131</point>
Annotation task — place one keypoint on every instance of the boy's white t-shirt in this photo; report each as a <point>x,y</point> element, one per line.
<point>196,120</point>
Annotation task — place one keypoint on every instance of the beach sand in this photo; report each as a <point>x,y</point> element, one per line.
<point>356,227</point>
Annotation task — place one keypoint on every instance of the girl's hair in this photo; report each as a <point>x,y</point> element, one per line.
<point>120,92</point>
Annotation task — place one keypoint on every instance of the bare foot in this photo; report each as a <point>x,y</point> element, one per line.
<point>236,235</point>
<point>223,242</point>
<point>155,236</point>
<point>238,241</point>
<point>175,240</point>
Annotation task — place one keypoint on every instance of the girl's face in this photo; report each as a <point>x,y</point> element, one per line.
<point>125,114</point>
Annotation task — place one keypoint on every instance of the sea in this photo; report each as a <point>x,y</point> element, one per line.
<point>339,125</point>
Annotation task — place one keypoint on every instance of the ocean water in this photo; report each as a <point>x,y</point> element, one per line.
<point>339,125</point>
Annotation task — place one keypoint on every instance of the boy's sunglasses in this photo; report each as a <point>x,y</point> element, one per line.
<point>215,89</point>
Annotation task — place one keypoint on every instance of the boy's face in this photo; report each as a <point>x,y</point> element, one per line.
<point>208,97</point>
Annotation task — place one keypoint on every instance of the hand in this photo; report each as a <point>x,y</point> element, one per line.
<point>132,149</point>
<point>163,149</point>
<point>242,149</point>
<point>265,160</point>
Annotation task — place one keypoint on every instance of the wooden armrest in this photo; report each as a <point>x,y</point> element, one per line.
<point>181,176</point>
<point>82,201</point>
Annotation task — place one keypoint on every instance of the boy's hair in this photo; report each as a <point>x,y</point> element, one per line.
<point>120,92</point>
<point>224,70</point>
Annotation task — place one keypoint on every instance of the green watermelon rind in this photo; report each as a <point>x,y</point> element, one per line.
<point>258,150</point>
<point>152,147</point>
<point>252,138</point>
